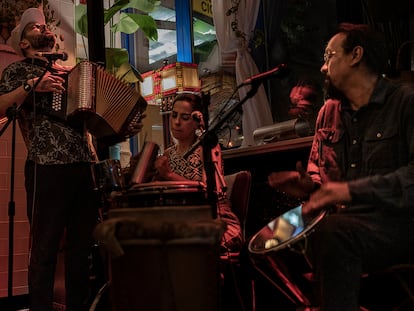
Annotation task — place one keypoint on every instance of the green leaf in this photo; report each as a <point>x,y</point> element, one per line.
<point>115,57</point>
<point>81,20</point>
<point>130,23</point>
<point>128,73</point>
<point>144,5</point>
<point>114,9</point>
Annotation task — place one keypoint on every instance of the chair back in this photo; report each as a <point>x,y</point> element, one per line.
<point>238,193</point>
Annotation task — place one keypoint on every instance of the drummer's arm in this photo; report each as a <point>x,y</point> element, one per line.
<point>164,172</point>
<point>329,194</point>
<point>175,177</point>
<point>297,183</point>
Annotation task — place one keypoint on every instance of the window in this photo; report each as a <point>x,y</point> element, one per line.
<point>151,55</point>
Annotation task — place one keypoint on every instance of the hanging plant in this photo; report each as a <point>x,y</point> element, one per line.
<point>257,38</point>
<point>235,23</point>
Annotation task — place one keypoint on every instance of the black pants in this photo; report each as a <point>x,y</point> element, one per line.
<point>347,244</point>
<point>60,199</point>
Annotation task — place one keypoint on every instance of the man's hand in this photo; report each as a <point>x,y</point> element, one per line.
<point>294,183</point>
<point>329,194</point>
<point>48,83</point>
<point>137,127</point>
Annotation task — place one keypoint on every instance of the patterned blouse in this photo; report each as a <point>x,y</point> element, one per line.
<point>48,139</point>
<point>191,168</point>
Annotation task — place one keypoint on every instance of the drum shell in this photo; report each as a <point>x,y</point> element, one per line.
<point>169,256</point>
<point>107,175</point>
<point>186,213</point>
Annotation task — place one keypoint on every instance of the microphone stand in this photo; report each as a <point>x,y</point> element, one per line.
<point>210,169</point>
<point>11,114</point>
<point>221,119</point>
<point>208,139</point>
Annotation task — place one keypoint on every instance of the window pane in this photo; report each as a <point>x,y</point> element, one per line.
<point>165,47</point>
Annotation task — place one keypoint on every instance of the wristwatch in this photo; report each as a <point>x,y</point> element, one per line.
<point>27,87</point>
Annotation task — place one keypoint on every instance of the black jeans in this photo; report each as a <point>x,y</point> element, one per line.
<point>348,244</point>
<point>60,200</point>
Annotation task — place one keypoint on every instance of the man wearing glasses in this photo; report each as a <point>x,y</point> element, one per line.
<point>361,169</point>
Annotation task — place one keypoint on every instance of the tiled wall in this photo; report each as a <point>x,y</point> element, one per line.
<point>20,224</point>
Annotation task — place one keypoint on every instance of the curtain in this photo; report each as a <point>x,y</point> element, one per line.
<point>256,110</point>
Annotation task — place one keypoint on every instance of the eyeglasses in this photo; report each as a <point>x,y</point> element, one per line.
<point>328,55</point>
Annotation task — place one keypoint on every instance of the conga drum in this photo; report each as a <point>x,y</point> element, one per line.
<point>279,251</point>
<point>180,200</point>
<point>166,246</point>
<point>166,193</point>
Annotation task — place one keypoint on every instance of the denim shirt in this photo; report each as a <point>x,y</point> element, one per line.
<point>372,148</point>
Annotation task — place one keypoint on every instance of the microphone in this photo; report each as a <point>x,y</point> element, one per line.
<point>53,56</point>
<point>280,71</point>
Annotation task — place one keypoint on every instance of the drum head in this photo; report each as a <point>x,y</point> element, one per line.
<point>167,186</point>
<point>283,231</point>
<point>171,193</point>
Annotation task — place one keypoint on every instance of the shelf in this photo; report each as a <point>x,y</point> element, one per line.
<point>291,144</point>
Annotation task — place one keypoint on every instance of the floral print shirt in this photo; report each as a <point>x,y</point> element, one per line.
<point>48,139</point>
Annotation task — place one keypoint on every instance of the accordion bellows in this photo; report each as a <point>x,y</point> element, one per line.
<point>107,107</point>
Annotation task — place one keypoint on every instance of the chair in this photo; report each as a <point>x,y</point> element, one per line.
<point>238,191</point>
<point>236,280</point>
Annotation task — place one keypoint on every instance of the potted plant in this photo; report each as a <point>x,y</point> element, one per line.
<point>117,59</point>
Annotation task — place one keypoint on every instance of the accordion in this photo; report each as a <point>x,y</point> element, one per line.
<point>97,100</point>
